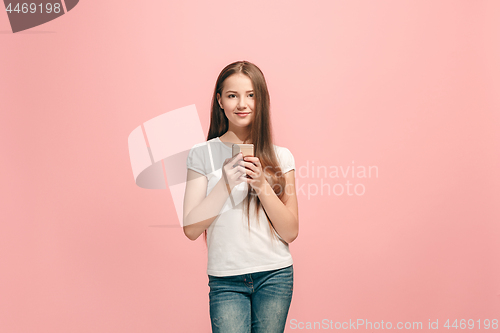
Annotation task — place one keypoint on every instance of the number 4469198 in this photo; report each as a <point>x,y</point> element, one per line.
<point>33,8</point>
<point>463,324</point>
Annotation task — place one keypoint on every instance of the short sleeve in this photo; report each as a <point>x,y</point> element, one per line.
<point>195,160</point>
<point>287,160</point>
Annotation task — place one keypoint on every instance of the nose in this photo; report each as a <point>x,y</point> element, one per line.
<point>242,104</point>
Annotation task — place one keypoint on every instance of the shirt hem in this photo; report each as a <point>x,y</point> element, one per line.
<point>248,270</point>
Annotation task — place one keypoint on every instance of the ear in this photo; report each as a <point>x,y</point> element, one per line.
<point>218,99</point>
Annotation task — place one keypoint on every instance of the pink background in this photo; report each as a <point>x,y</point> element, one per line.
<point>408,86</point>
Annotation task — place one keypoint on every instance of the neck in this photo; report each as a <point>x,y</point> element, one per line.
<point>236,136</point>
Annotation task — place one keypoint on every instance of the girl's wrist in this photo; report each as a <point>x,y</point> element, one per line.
<point>264,188</point>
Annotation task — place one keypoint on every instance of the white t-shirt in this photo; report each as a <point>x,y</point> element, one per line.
<point>232,248</point>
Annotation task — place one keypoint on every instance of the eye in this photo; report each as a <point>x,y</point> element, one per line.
<point>251,95</point>
<point>231,95</point>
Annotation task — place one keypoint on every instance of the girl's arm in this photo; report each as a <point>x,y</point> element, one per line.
<point>285,217</point>
<point>200,210</point>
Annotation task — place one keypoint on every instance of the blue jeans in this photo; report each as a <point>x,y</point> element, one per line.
<point>251,303</point>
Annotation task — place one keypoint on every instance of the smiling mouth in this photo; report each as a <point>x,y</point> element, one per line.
<point>242,114</point>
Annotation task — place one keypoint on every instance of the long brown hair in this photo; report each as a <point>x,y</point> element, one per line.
<point>260,134</point>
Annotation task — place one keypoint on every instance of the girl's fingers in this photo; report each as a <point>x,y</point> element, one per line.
<point>236,173</point>
<point>250,166</point>
<point>238,169</point>
<point>236,158</point>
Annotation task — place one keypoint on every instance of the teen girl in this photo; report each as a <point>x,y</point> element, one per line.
<point>246,207</point>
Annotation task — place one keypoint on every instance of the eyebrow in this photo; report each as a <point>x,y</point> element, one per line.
<point>232,91</point>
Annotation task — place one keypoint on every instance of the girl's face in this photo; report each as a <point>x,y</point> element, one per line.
<point>238,100</point>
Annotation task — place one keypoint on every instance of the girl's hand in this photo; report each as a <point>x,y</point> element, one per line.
<point>232,171</point>
<point>254,170</point>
